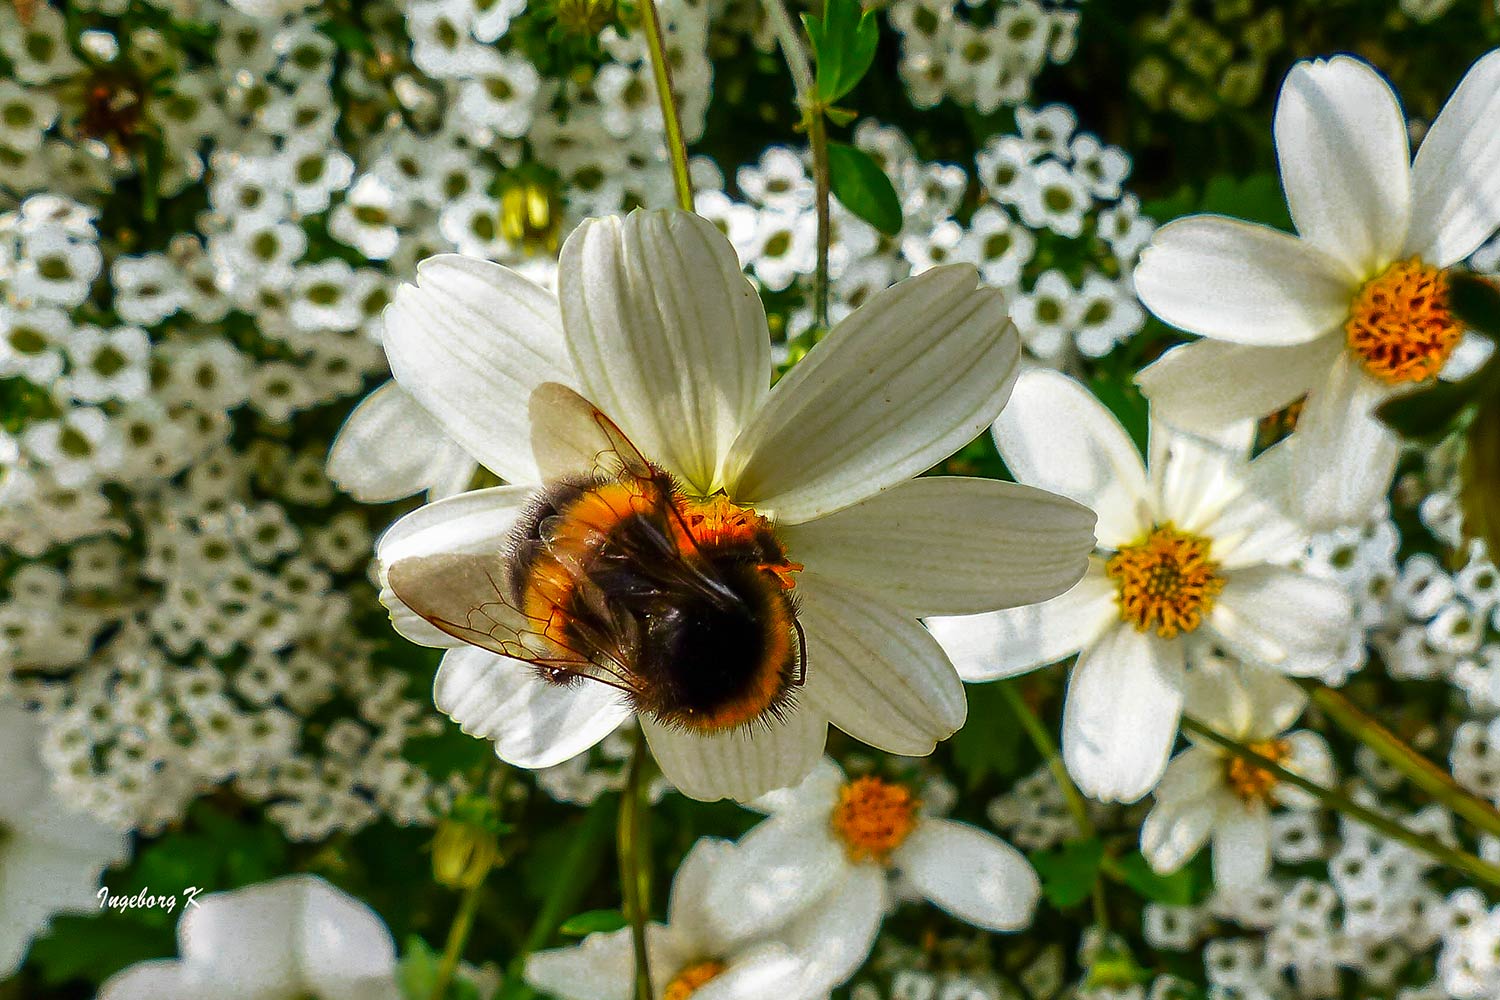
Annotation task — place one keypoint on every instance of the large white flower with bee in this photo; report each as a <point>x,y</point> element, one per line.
<point>736,565</point>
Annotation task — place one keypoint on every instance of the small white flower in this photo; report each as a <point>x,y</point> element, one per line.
<point>1191,542</point>
<point>1055,199</point>
<point>1351,310</point>
<point>830,832</point>
<point>294,938</point>
<point>1208,793</point>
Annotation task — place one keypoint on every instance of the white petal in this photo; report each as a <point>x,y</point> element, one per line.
<point>474,523</point>
<point>1055,435</point>
<point>1343,457</point>
<point>1258,525</point>
<point>951,546</point>
<point>814,795</point>
<point>1201,386</point>
<point>900,384</point>
<point>1002,644</point>
<point>1311,758</point>
<point>602,967</point>
<point>973,875</point>
<point>1247,284</point>
<point>1179,824</point>
<point>1345,163</point>
<point>876,673</point>
<point>159,980</point>
<point>1120,720</point>
<point>469,342</point>
<point>835,936</point>
<point>779,869</point>
<point>534,723</point>
<point>668,335</point>
<point>346,951</point>
<point>1455,187</point>
<point>1242,846</point>
<point>1196,476</point>
<point>686,914</point>
<point>769,969</point>
<point>1274,616</point>
<point>743,763</point>
<point>390,448</point>
<point>1245,702</point>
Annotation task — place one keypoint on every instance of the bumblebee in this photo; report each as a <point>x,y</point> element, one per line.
<point>615,575</point>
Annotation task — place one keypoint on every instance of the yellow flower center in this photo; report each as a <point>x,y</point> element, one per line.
<point>1399,325</point>
<point>686,982</point>
<point>1166,582</point>
<point>1251,782</point>
<point>873,817</point>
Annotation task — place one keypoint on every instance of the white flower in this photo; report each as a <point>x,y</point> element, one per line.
<point>1208,792</point>
<point>390,448</point>
<point>297,938</point>
<point>51,855</point>
<point>659,329</point>
<point>807,955</point>
<point>1351,310</point>
<point>1190,543</point>
<point>830,834</point>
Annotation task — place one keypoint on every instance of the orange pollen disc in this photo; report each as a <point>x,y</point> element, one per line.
<point>1399,325</point>
<point>1251,782</point>
<point>686,982</point>
<point>1166,582</point>
<point>717,522</point>
<point>873,817</point>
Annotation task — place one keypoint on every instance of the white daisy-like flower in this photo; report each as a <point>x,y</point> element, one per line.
<point>1191,547</point>
<point>803,957</point>
<point>1353,308</point>
<point>658,328</point>
<point>51,855</point>
<point>390,448</point>
<point>297,938</point>
<point>1208,793</point>
<point>829,834</point>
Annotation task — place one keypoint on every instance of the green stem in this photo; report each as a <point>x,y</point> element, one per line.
<point>661,71</point>
<point>1453,857</point>
<point>458,936</point>
<point>1042,740</point>
<point>635,872</point>
<point>811,108</point>
<point>1390,748</point>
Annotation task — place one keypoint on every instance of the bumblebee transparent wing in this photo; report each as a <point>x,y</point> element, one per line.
<point>463,595</point>
<point>571,436</point>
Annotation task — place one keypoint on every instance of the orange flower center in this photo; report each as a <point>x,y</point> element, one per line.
<point>686,982</point>
<point>1251,782</point>
<point>1399,325</point>
<point>873,817</point>
<point>1166,582</point>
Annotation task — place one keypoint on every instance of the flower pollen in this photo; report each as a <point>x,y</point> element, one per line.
<point>1251,782</point>
<point>873,817</point>
<point>1400,326</point>
<point>1166,582</point>
<point>687,982</point>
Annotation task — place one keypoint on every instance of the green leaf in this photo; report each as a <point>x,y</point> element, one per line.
<point>1476,302</point>
<point>447,753</point>
<point>417,975</point>
<point>1182,888</point>
<point>1428,414</point>
<point>593,922</point>
<point>990,743</point>
<point>843,45</point>
<point>1256,198</point>
<point>1068,874</point>
<point>863,188</point>
<point>95,948</point>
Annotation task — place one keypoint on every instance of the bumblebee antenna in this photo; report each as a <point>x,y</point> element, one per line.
<point>801,653</point>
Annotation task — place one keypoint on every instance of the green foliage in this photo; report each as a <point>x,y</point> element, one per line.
<point>1187,886</point>
<point>449,752</point>
<point>1476,302</point>
<point>93,948</point>
<point>990,742</point>
<point>1254,198</point>
<point>592,922</point>
<point>1481,475</point>
<point>843,44</point>
<point>863,188</point>
<point>1068,874</point>
<point>418,974</point>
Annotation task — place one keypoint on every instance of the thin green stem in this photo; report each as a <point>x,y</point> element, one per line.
<point>1390,748</point>
<point>1042,740</point>
<point>458,936</point>
<point>1453,857</point>
<point>635,872</point>
<point>799,63</point>
<point>661,72</point>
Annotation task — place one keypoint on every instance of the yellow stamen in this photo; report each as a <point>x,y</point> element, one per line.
<point>873,818</point>
<point>687,982</point>
<point>1166,582</point>
<point>1399,325</point>
<point>1251,782</point>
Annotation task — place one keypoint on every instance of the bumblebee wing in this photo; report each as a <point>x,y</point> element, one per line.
<point>463,595</point>
<point>570,435</point>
